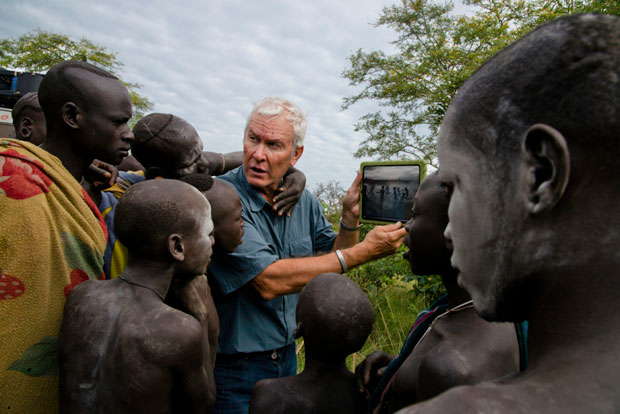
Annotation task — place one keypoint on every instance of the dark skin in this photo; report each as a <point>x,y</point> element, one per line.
<point>226,212</point>
<point>553,222</point>
<point>186,157</point>
<point>461,348</point>
<point>326,385</point>
<point>77,134</point>
<point>121,348</point>
<point>32,127</point>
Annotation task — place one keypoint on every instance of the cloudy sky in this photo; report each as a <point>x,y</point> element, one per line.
<point>208,61</point>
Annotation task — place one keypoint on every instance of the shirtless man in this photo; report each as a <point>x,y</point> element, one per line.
<point>334,317</point>
<point>449,344</point>
<point>121,348</point>
<point>529,151</point>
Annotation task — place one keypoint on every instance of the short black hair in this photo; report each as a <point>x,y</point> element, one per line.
<point>202,182</point>
<point>59,87</point>
<point>145,215</point>
<point>25,106</point>
<point>565,74</point>
<point>155,137</point>
<point>336,315</point>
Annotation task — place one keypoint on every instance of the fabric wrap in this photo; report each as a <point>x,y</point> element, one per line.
<point>52,237</point>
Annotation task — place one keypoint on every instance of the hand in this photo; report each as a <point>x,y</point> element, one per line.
<point>290,192</point>
<point>367,373</point>
<point>351,203</point>
<point>101,175</point>
<point>190,296</point>
<point>384,240</point>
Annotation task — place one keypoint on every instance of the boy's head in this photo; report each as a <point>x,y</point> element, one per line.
<point>168,146</point>
<point>28,119</point>
<point>89,107</point>
<point>225,210</point>
<point>528,150</point>
<point>334,316</point>
<point>428,254</point>
<point>166,220</point>
<point>226,207</point>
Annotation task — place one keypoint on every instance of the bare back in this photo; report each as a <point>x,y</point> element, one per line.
<point>308,393</point>
<point>122,349</point>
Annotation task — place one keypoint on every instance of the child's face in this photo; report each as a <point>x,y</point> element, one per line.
<point>229,227</point>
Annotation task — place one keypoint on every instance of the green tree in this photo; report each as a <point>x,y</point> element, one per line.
<point>437,50</point>
<point>39,50</point>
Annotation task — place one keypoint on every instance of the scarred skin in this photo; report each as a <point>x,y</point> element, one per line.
<point>461,348</point>
<point>121,348</point>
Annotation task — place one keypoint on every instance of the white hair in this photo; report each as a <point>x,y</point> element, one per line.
<point>273,106</point>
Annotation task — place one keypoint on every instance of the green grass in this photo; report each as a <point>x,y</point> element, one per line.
<point>396,304</point>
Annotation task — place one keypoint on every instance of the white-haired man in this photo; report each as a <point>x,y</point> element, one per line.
<point>256,287</point>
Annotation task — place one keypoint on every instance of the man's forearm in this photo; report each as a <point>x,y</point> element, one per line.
<point>291,275</point>
<point>347,238</point>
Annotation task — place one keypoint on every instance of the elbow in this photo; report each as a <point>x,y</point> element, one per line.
<point>264,287</point>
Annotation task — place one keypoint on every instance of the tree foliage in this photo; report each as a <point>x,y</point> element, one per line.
<point>39,50</point>
<point>437,50</point>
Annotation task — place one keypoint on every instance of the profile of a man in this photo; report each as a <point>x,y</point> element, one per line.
<point>529,150</point>
<point>256,287</point>
<point>52,235</point>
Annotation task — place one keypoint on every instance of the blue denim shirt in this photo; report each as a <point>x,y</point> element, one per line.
<point>248,323</point>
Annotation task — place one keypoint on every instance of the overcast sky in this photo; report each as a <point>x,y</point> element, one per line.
<point>208,61</point>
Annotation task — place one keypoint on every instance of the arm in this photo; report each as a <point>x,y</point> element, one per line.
<point>291,275</point>
<point>367,373</point>
<point>196,380</point>
<point>222,163</point>
<point>291,191</point>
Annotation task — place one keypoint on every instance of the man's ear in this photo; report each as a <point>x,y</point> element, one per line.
<point>549,172</point>
<point>25,127</point>
<point>296,154</point>
<point>71,114</point>
<point>176,247</point>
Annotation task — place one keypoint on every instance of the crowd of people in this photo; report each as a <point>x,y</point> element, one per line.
<point>140,273</point>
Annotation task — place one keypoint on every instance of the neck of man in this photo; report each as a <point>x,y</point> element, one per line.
<point>268,193</point>
<point>574,320</point>
<point>456,294</point>
<point>149,274</point>
<point>318,363</point>
<point>61,147</point>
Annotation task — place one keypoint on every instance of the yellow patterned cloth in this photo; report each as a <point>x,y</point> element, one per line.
<point>52,237</point>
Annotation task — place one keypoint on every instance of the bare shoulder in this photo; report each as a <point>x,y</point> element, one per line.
<point>174,337</point>
<point>472,350</point>
<point>271,396</point>
<point>472,399</point>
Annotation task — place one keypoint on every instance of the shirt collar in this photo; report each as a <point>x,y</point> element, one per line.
<point>255,199</point>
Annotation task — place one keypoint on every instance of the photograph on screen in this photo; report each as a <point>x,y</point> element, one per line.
<point>388,191</point>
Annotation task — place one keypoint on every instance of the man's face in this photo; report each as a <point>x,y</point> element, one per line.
<point>482,226</point>
<point>268,151</point>
<point>199,241</point>
<point>39,129</point>
<point>186,156</point>
<point>107,135</point>
<point>229,228</point>
<point>427,254</point>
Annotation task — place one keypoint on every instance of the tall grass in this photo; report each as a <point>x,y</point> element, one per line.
<point>397,299</point>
